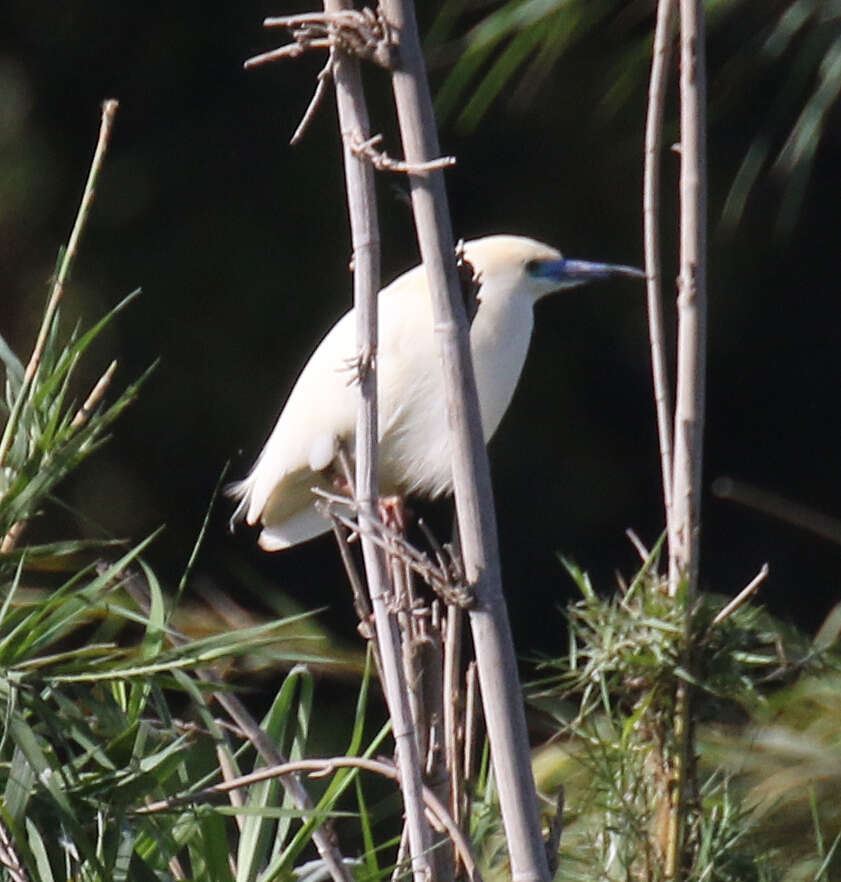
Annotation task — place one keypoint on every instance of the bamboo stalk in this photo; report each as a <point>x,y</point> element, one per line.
<point>689,408</point>
<point>653,269</point>
<point>499,679</point>
<point>361,196</point>
<point>692,303</point>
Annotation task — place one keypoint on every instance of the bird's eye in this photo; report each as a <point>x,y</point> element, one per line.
<point>533,267</point>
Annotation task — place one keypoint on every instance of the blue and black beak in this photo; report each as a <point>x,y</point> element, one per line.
<point>568,273</point>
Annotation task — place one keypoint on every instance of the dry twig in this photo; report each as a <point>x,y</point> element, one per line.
<point>9,857</point>
<point>358,33</point>
<point>315,102</point>
<point>81,416</point>
<point>556,829</point>
<point>745,594</point>
<point>383,162</point>
<point>321,768</point>
<point>323,836</point>
<point>96,395</point>
<point>363,33</point>
<point>776,506</point>
<point>439,578</point>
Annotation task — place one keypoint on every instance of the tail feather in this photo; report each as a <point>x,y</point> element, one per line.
<point>305,525</point>
<point>240,492</point>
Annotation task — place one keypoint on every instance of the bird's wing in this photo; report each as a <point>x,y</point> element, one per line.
<point>319,412</point>
<point>406,353</point>
<point>289,515</point>
<point>305,525</point>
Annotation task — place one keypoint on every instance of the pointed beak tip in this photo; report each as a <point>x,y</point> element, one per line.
<point>632,272</point>
<point>586,271</point>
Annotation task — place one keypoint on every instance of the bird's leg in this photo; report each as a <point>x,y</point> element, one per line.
<point>339,482</point>
<point>340,470</point>
<point>393,513</point>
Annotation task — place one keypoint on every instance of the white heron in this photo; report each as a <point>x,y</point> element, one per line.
<point>320,413</point>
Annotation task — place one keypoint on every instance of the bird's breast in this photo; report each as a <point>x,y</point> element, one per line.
<point>499,344</point>
<point>414,432</point>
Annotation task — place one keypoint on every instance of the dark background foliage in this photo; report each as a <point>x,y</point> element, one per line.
<point>240,244</point>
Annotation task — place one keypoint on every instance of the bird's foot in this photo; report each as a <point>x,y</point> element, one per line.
<point>341,484</point>
<point>393,513</point>
<point>360,366</point>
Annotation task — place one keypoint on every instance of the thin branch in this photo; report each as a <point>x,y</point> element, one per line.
<point>651,209</point>
<point>776,506</point>
<point>96,395</point>
<point>81,416</point>
<point>322,836</point>
<point>13,534</point>
<point>315,102</point>
<point>329,16</point>
<point>322,768</point>
<point>556,830</point>
<point>746,593</point>
<point>472,724</point>
<point>383,162</point>
<point>293,50</point>
<point>361,197</point>
<point>454,708</point>
<point>641,550</point>
<point>492,638</point>
<point>690,400</point>
<point>109,111</point>
<point>362,33</point>
<point>9,857</point>
<point>360,599</point>
<point>441,578</point>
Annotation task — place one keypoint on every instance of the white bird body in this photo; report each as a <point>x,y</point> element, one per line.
<point>320,412</point>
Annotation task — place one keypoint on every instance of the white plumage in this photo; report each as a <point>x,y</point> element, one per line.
<point>514,273</point>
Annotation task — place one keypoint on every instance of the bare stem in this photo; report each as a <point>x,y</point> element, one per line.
<point>776,506</point>
<point>361,196</point>
<point>744,595</point>
<point>79,419</point>
<point>321,768</point>
<point>692,303</point>
<point>689,408</point>
<point>653,269</point>
<point>109,111</point>
<point>96,395</point>
<point>498,675</point>
<point>323,836</point>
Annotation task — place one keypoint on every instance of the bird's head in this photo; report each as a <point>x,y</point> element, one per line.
<point>524,267</point>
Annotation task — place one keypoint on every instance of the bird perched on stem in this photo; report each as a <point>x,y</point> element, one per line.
<point>320,414</point>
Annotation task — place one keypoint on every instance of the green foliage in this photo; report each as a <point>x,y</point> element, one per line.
<point>530,34</point>
<point>786,764</point>
<point>43,440</point>
<point>614,700</point>
<point>516,45</point>
<point>105,708</point>
<point>804,42</point>
<point>90,669</point>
